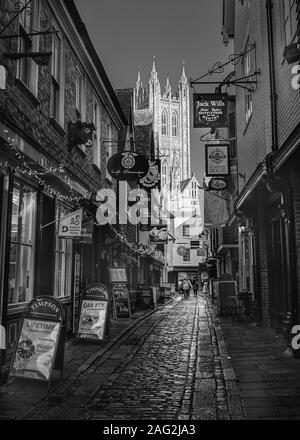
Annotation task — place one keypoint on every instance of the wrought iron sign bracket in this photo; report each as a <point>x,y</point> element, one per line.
<point>243,82</point>
<point>19,8</point>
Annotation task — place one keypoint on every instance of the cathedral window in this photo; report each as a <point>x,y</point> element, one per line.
<point>174,124</point>
<point>164,173</point>
<point>164,123</point>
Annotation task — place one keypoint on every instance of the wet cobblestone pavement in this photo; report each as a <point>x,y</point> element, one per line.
<point>167,367</point>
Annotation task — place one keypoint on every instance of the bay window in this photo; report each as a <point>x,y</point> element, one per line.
<point>22,238</point>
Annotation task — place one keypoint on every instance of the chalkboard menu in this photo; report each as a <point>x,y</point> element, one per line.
<point>39,339</point>
<point>93,317</point>
<point>121,301</point>
<point>226,298</point>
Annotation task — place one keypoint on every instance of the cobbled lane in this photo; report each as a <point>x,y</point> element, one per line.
<point>167,367</point>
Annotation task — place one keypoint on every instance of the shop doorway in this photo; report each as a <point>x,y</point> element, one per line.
<point>277,269</point>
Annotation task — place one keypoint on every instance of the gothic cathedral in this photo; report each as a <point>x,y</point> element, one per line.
<point>169,115</point>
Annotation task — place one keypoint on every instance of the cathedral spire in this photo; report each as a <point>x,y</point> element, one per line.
<point>168,88</point>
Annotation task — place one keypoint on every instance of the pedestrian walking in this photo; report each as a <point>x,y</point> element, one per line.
<point>187,286</point>
<point>195,287</point>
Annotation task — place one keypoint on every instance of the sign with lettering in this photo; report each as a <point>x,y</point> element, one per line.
<point>128,166</point>
<point>121,301</point>
<point>93,317</point>
<point>217,160</point>
<point>217,184</point>
<point>118,275</point>
<point>211,110</point>
<point>70,225</point>
<point>38,341</point>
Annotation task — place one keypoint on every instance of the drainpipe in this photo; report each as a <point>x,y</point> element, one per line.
<point>273,96</point>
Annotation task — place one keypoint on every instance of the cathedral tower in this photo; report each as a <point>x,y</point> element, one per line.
<point>169,115</point>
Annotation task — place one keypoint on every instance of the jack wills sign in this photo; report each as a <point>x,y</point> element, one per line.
<point>210,110</point>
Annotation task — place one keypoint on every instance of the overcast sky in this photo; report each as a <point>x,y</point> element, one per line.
<point>128,33</point>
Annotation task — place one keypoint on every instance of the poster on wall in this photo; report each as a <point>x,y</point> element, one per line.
<point>93,316</point>
<point>211,110</point>
<point>39,339</point>
<point>217,160</point>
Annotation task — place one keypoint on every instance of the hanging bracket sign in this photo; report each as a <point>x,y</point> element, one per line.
<point>39,341</point>
<point>128,166</point>
<point>93,318</point>
<point>211,110</point>
<point>217,160</point>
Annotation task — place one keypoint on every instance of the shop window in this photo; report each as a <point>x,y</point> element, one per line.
<point>186,230</point>
<point>63,260</point>
<point>57,94</point>
<point>247,70</point>
<point>97,132</point>
<point>290,20</point>
<point>80,99</point>
<point>187,255</point>
<point>21,262</point>
<point>29,21</point>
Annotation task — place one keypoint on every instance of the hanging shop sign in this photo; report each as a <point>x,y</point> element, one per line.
<point>39,341</point>
<point>153,178</point>
<point>159,234</point>
<point>217,184</point>
<point>87,231</point>
<point>70,225</point>
<point>128,166</point>
<point>211,110</point>
<point>181,251</point>
<point>217,160</point>
<point>121,301</point>
<point>93,317</point>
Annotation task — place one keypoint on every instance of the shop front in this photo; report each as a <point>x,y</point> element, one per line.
<point>34,260</point>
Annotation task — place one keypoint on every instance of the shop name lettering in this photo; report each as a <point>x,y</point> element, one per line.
<point>211,104</point>
<point>39,304</point>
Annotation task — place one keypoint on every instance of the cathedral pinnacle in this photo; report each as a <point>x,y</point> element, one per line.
<point>153,66</point>
<point>183,70</point>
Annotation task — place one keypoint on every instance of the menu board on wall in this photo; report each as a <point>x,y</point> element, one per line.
<point>39,338</point>
<point>93,316</point>
<point>118,275</point>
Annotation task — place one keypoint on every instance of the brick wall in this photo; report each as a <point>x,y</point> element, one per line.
<point>30,115</point>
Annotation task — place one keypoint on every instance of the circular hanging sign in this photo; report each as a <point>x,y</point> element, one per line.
<point>218,184</point>
<point>128,166</point>
<point>181,251</point>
